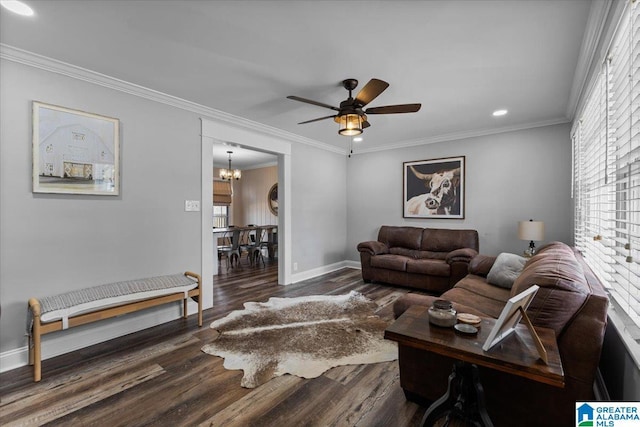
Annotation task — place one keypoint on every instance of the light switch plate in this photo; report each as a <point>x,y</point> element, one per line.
<point>192,205</point>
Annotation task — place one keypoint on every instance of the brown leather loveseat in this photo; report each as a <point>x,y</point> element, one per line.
<point>571,301</point>
<point>429,259</point>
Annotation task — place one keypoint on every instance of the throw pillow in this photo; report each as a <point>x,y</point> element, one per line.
<point>506,269</point>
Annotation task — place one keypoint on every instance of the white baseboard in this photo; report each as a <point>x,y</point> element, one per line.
<point>310,274</point>
<point>353,264</point>
<point>73,339</point>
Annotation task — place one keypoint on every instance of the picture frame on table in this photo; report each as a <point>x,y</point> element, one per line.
<point>513,312</point>
<point>434,188</point>
<point>75,152</point>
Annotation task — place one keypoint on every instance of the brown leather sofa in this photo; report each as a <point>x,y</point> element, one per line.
<point>429,259</point>
<point>571,301</point>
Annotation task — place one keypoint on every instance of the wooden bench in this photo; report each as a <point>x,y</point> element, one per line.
<point>105,308</point>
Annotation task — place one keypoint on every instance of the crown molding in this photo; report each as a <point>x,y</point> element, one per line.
<point>596,24</point>
<point>41,62</point>
<point>465,135</point>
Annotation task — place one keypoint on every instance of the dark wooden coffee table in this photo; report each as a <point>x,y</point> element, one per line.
<point>464,398</point>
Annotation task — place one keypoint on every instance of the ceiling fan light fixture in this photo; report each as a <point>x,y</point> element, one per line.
<point>350,124</point>
<point>351,115</point>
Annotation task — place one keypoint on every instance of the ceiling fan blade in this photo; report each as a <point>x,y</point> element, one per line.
<point>310,101</point>
<point>365,124</point>
<point>394,109</point>
<point>370,91</point>
<point>318,119</point>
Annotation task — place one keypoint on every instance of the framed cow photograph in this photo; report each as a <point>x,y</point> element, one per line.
<point>434,188</point>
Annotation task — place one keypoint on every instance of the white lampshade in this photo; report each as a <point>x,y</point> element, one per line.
<point>531,230</point>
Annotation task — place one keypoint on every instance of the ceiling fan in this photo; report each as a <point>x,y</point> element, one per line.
<point>351,116</point>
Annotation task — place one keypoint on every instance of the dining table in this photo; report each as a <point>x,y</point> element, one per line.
<point>224,232</point>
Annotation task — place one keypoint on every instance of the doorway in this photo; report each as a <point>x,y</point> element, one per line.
<point>214,131</point>
<point>245,203</point>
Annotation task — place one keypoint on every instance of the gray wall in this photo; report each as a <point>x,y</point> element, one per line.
<point>510,177</point>
<point>53,243</point>
<point>319,209</point>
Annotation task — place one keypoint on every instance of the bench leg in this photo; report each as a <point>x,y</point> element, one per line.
<point>35,355</point>
<point>199,300</point>
<point>200,306</point>
<point>35,341</point>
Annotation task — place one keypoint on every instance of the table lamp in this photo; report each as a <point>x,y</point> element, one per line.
<point>531,230</point>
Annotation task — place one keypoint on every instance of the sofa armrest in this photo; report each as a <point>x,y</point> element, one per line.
<point>480,265</point>
<point>373,247</point>
<point>461,255</point>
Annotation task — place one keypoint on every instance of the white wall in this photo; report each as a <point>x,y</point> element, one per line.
<point>510,177</point>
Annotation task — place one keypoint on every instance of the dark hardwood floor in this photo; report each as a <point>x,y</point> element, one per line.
<point>160,377</point>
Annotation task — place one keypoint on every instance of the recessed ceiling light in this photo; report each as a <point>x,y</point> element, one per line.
<point>499,113</point>
<point>357,139</point>
<point>18,7</point>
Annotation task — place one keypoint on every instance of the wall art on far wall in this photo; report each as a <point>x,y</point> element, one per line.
<point>272,199</point>
<point>434,188</point>
<point>75,152</point>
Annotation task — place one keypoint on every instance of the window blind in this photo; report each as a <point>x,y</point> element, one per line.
<point>606,169</point>
<point>222,193</point>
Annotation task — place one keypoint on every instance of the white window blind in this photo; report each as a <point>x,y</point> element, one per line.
<point>606,181</point>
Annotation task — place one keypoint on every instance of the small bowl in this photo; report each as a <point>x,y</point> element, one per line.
<point>466,329</point>
<point>469,318</point>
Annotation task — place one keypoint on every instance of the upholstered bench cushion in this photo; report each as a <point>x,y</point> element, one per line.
<point>72,303</point>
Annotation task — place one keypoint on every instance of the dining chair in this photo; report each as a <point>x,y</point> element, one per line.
<point>232,251</point>
<point>259,242</point>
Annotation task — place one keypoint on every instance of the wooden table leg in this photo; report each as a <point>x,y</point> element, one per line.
<point>464,398</point>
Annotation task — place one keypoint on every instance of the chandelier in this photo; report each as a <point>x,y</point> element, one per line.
<point>229,174</point>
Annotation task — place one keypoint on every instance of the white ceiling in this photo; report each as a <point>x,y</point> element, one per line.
<point>461,59</point>
<point>241,158</point>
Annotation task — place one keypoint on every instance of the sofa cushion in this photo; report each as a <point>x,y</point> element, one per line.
<point>506,269</point>
<point>432,255</point>
<point>410,253</point>
<point>390,262</point>
<point>475,292</point>
<point>443,240</point>
<point>480,265</point>
<point>432,267</point>
<point>416,254</point>
<point>563,287</point>
<point>405,237</point>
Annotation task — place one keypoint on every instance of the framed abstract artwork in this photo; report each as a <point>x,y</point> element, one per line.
<point>75,152</point>
<point>434,188</point>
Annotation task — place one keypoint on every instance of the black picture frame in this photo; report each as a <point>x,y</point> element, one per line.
<point>434,188</point>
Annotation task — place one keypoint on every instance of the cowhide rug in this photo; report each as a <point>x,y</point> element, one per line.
<point>303,336</point>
